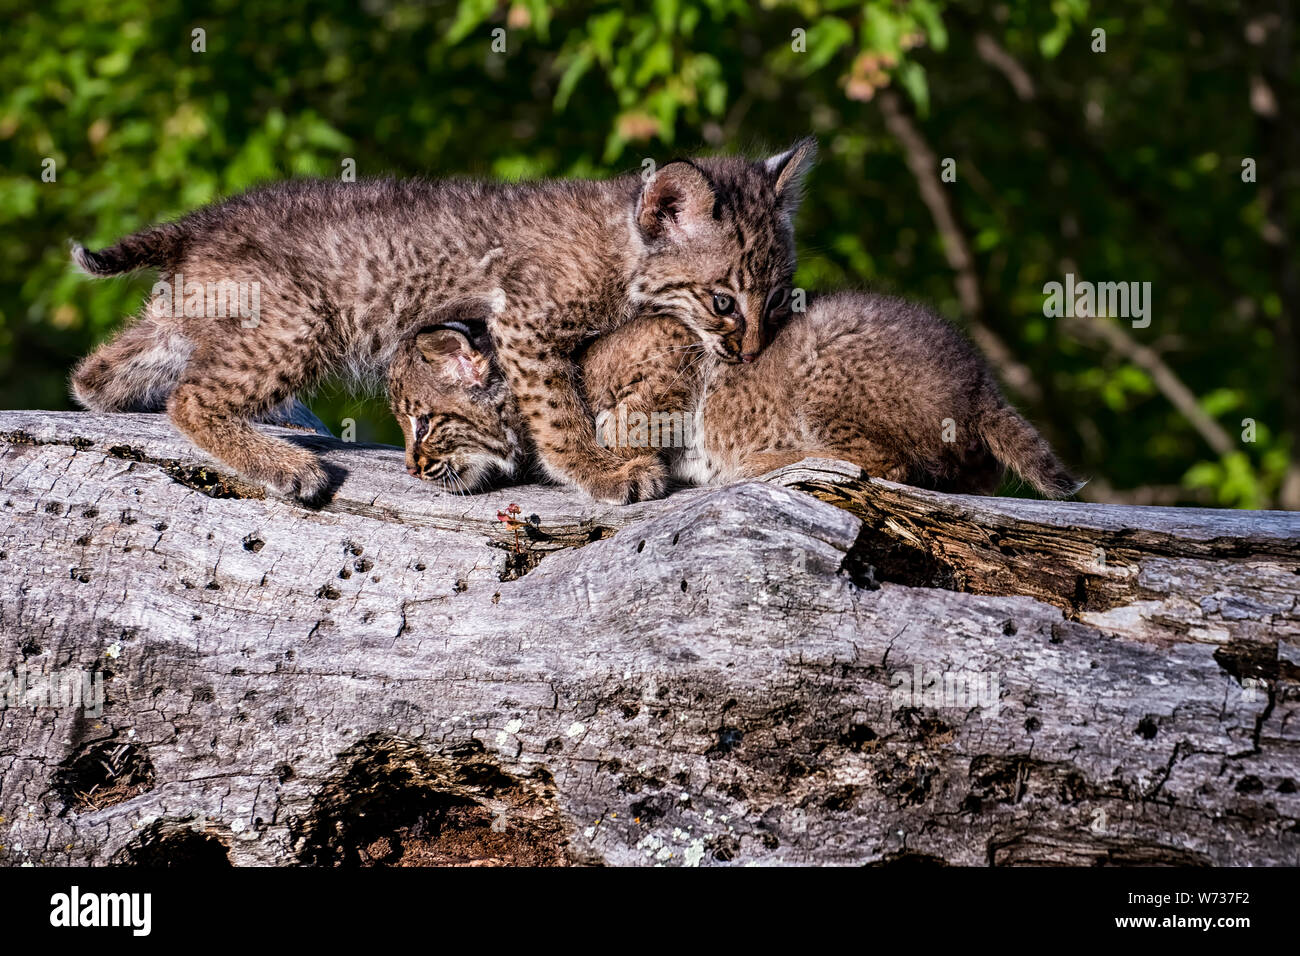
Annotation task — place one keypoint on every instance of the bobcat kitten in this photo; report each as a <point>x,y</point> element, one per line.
<point>877,381</point>
<point>345,271</point>
<point>460,422</point>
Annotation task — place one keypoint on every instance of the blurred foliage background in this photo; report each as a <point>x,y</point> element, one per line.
<point>1115,164</point>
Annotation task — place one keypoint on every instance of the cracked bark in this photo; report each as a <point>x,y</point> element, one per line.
<point>711,678</point>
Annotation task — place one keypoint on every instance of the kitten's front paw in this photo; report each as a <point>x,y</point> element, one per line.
<point>305,478</point>
<point>312,484</point>
<point>639,479</point>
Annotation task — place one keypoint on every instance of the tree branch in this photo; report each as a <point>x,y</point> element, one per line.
<point>1113,335</point>
<point>924,165</point>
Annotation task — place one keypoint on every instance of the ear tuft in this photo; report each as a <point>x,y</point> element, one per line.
<point>787,171</point>
<point>676,201</point>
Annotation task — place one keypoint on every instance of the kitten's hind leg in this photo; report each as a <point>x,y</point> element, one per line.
<point>135,370</point>
<point>212,406</point>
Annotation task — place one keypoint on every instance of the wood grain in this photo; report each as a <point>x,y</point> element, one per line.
<point>713,678</point>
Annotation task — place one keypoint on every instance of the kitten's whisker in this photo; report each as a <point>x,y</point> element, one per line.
<point>692,365</point>
<point>655,356</point>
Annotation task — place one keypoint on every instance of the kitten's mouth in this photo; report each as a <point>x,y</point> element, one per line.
<point>727,355</point>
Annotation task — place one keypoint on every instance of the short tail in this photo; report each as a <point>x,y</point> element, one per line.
<point>1017,444</point>
<point>155,247</point>
<point>135,371</point>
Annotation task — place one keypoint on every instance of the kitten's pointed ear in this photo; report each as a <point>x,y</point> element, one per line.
<point>451,352</point>
<point>787,172</point>
<point>676,201</point>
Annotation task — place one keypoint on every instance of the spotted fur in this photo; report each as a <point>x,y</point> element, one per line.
<point>348,271</point>
<point>869,379</point>
<point>456,413</point>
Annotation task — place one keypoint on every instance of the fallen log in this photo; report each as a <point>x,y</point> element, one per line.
<point>811,668</point>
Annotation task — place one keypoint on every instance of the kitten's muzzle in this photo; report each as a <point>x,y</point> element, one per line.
<point>728,347</point>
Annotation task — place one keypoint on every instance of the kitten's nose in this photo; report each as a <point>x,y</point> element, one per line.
<point>413,471</point>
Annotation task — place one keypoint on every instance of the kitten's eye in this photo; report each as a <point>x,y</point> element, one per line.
<point>419,429</point>
<point>723,304</point>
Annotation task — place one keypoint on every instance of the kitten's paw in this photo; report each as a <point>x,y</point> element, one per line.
<point>648,480</point>
<point>311,484</point>
<point>304,478</point>
<point>639,479</point>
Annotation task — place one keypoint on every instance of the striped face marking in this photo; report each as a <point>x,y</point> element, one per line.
<point>455,428</point>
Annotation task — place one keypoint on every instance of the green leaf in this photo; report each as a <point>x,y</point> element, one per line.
<point>880,30</point>
<point>574,72</point>
<point>1051,43</point>
<point>114,64</point>
<point>825,38</point>
<point>601,31</point>
<point>666,14</point>
<point>1220,401</point>
<point>912,76</point>
<point>469,14</point>
<point>932,21</point>
<point>657,61</point>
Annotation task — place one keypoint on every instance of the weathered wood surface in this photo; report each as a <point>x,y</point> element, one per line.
<point>710,678</point>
